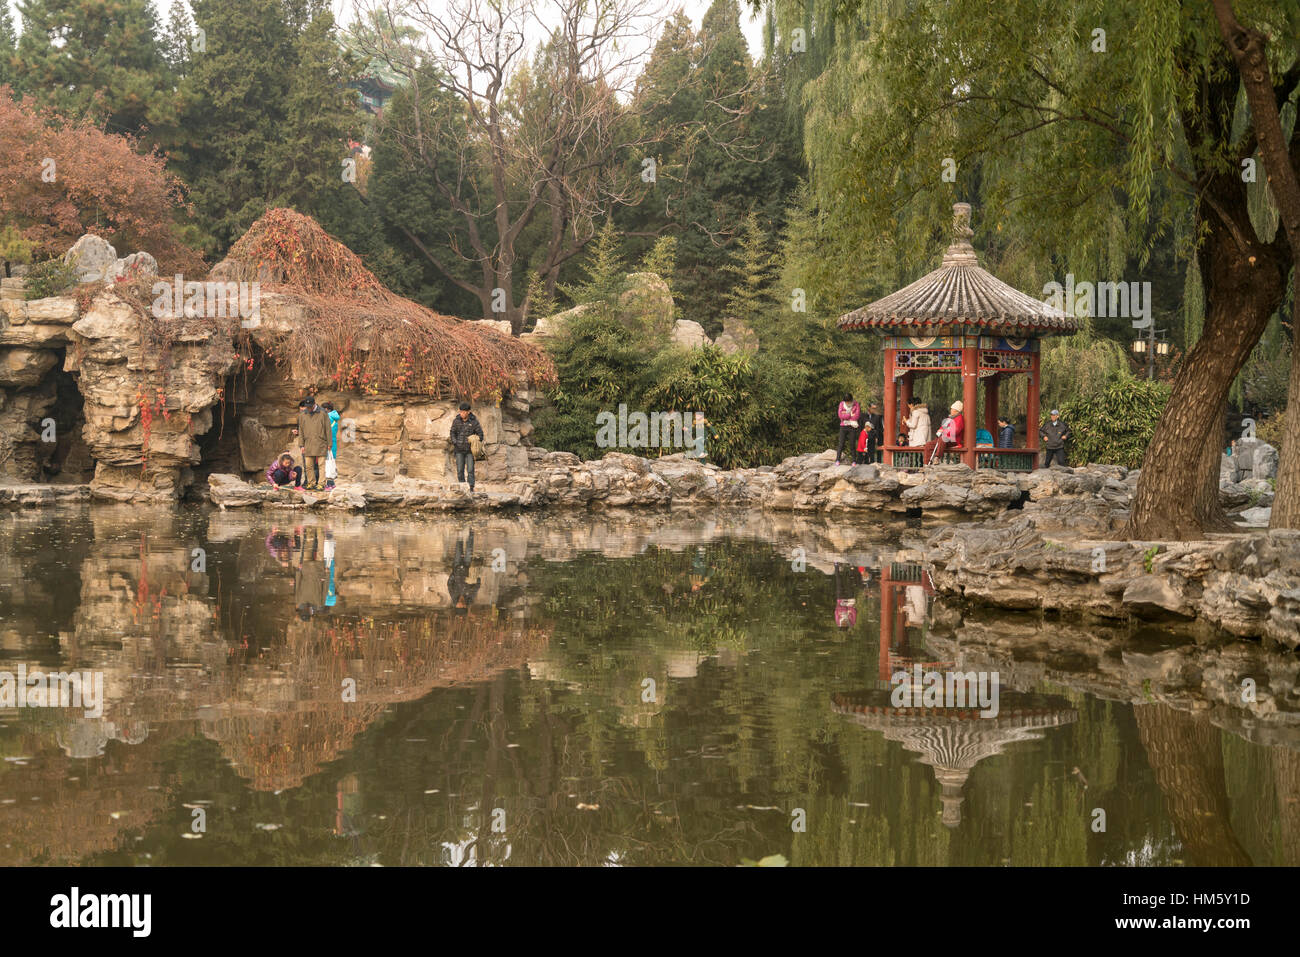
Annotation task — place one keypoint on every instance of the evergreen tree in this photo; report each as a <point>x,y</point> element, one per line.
<point>662,260</point>
<point>603,267</point>
<point>98,58</point>
<point>752,268</point>
<point>8,44</point>
<point>180,35</point>
<point>735,152</point>
<point>268,113</point>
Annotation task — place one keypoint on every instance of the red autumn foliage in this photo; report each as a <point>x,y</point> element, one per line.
<point>99,184</point>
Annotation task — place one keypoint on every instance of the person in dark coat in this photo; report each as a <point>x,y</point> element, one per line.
<point>1054,434</point>
<point>313,432</point>
<point>462,427</point>
<point>1006,434</point>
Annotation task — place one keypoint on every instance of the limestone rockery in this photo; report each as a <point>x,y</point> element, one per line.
<point>90,407</point>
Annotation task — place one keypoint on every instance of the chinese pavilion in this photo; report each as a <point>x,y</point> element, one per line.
<point>960,319</point>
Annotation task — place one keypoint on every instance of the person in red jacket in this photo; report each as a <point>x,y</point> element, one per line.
<point>952,431</point>
<point>861,457</point>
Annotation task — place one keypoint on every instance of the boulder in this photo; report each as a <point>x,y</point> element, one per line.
<point>736,337</point>
<point>134,266</point>
<point>647,303</point>
<point>688,334</point>
<point>93,259</point>
<point>1255,517</point>
<point>22,368</point>
<point>1255,459</point>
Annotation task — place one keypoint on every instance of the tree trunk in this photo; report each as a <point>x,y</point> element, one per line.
<point>1177,496</point>
<point>1249,48</point>
<point>1286,501</point>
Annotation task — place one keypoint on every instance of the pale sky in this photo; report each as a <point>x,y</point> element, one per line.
<point>695,9</point>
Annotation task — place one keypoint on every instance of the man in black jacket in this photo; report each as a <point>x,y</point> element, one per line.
<point>1054,433</point>
<point>462,427</point>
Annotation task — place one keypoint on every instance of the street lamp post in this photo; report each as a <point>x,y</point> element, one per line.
<point>1152,344</point>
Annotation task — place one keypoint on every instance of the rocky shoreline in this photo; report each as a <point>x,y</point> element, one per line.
<point>1042,541</point>
<point>1061,558</point>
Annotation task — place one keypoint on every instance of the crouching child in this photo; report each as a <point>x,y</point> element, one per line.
<point>284,472</point>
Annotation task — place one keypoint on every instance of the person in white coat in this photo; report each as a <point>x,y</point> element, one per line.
<point>918,424</point>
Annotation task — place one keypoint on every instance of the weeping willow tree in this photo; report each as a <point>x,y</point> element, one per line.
<point>1092,135</point>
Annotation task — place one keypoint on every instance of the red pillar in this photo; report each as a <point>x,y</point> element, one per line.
<point>992,386</point>
<point>970,380</point>
<point>891,409</point>
<point>905,395</point>
<point>1031,413</point>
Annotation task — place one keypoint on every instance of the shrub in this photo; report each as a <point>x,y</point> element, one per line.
<point>746,399</point>
<point>49,279</point>
<point>599,365</point>
<point>1114,422</point>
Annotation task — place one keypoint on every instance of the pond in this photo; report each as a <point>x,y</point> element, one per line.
<point>653,688</point>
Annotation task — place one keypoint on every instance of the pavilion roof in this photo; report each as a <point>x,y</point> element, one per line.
<point>959,295</point>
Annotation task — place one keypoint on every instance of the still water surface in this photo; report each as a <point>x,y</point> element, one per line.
<point>684,689</point>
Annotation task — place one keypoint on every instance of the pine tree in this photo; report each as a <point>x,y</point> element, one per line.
<point>8,44</point>
<point>180,34</point>
<point>752,266</point>
<point>97,57</point>
<point>603,267</point>
<point>662,260</point>
<point>268,113</point>
<point>540,302</point>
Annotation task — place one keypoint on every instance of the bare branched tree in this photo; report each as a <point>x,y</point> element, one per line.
<point>549,129</point>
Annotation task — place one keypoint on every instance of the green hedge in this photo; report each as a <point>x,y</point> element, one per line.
<point>1114,423</point>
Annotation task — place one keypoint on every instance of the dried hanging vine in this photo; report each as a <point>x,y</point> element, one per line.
<point>358,335</point>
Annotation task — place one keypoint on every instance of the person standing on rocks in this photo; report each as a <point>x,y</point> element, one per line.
<point>313,433</point>
<point>1054,434</point>
<point>464,425</point>
<point>331,462</point>
<point>849,413</point>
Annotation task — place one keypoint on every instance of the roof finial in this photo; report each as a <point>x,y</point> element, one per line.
<point>961,252</point>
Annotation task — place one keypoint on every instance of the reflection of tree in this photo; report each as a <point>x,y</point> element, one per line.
<point>1186,754</point>
<point>1286,775</point>
<point>276,748</point>
<point>64,808</point>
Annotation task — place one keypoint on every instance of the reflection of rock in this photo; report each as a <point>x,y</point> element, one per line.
<point>1112,661</point>
<point>87,737</point>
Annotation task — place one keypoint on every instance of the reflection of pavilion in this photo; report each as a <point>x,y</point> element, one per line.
<point>954,740</point>
<point>905,592</point>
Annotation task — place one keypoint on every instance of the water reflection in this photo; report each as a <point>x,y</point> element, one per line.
<point>595,689</point>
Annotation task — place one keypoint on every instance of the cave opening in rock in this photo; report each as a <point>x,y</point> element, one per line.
<point>42,416</point>
<point>220,447</point>
<point>69,460</point>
